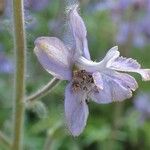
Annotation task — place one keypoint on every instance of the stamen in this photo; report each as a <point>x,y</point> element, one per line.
<point>76,86</point>
<point>82,80</point>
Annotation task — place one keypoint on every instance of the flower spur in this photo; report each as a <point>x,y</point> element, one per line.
<point>101,82</point>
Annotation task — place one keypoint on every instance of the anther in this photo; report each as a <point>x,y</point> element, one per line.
<point>82,80</point>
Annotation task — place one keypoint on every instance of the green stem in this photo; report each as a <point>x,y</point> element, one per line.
<point>4,140</point>
<point>48,143</point>
<point>20,47</point>
<point>45,90</point>
<point>50,136</point>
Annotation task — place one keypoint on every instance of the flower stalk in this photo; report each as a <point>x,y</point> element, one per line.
<point>48,142</point>
<point>44,91</point>
<point>4,140</point>
<point>20,47</point>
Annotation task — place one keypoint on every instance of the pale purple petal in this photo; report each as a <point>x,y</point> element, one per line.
<point>130,65</point>
<point>111,55</point>
<point>116,87</point>
<point>102,96</point>
<point>98,81</point>
<point>91,66</point>
<point>113,61</point>
<point>76,111</point>
<point>79,32</point>
<point>54,57</point>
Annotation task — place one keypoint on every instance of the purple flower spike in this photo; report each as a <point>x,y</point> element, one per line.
<point>6,65</point>
<point>142,104</point>
<point>37,5</point>
<point>103,82</point>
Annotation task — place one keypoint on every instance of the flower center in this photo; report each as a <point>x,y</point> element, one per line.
<point>82,80</point>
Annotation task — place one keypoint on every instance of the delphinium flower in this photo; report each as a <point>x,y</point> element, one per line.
<point>37,5</point>
<point>133,21</point>
<point>2,7</point>
<point>101,82</point>
<point>137,32</point>
<point>142,104</point>
<point>145,26</point>
<point>6,8</point>
<point>122,8</point>
<point>6,65</point>
<point>131,17</point>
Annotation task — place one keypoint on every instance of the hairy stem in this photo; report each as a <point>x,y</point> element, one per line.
<point>50,136</point>
<point>20,47</point>
<point>48,143</point>
<point>45,90</point>
<point>4,140</point>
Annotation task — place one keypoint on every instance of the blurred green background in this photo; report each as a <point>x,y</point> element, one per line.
<point>116,126</point>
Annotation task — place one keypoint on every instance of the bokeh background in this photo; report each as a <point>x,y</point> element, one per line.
<point>116,126</point>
